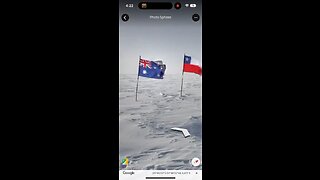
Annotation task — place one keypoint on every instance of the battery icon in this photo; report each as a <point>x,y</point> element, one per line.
<point>193,5</point>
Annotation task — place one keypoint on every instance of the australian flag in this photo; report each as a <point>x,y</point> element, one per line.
<point>151,69</point>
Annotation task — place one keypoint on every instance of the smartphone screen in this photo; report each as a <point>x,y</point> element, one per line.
<point>160,89</point>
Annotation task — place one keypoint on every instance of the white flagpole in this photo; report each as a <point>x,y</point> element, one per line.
<point>138,79</point>
<point>182,76</point>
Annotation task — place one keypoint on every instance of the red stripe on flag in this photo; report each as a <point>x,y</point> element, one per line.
<point>192,68</point>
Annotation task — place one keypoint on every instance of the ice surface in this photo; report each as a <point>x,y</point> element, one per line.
<point>146,137</point>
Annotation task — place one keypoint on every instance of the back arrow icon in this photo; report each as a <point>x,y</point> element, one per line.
<point>125,17</point>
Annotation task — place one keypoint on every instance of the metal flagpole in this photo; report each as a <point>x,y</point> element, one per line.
<point>138,79</point>
<point>182,76</point>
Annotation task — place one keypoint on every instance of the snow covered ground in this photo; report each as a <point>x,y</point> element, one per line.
<point>146,137</point>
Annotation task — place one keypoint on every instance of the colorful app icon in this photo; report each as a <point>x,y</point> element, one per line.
<point>124,162</point>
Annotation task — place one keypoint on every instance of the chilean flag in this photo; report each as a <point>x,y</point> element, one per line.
<point>192,66</point>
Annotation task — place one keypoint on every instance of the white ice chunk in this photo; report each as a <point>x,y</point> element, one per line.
<point>184,131</point>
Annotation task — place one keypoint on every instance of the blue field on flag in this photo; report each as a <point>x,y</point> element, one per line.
<point>151,69</point>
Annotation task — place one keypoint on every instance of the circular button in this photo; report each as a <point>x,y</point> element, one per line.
<point>177,5</point>
<point>195,162</point>
<point>195,17</point>
<point>125,17</point>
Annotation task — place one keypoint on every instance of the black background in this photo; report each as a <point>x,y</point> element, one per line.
<point>64,122</point>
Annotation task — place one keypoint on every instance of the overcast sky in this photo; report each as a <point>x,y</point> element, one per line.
<point>165,40</point>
